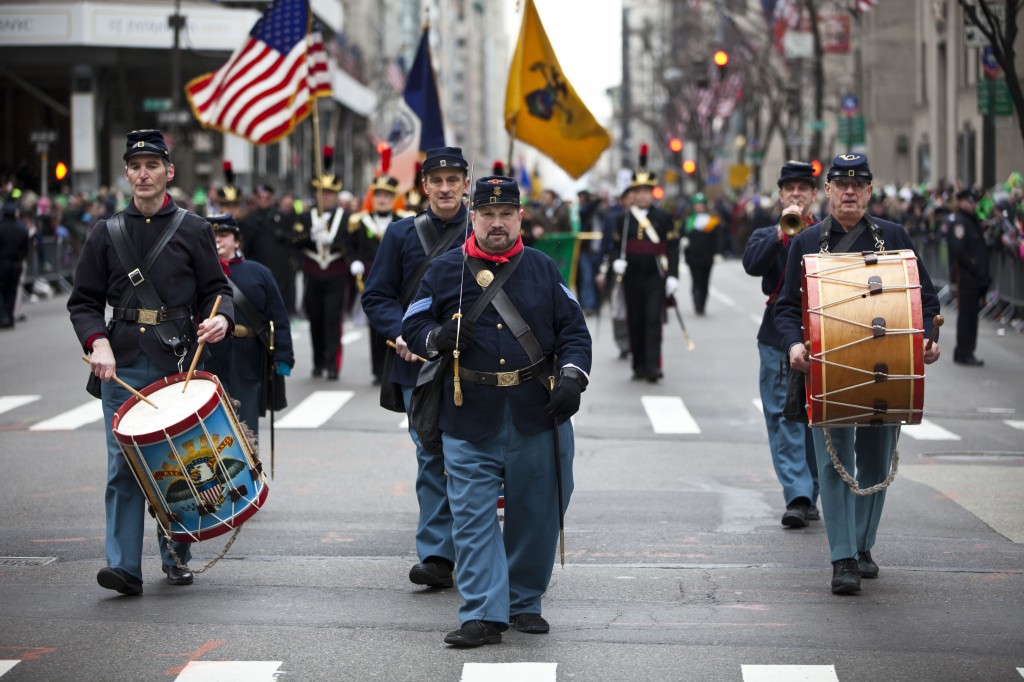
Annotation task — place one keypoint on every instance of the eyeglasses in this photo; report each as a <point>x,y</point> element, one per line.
<point>844,184</point>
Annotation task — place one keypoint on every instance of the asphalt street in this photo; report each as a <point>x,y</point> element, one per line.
<point>676,568</point>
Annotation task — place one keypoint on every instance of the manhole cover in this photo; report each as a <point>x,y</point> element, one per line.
<point>24,561</point>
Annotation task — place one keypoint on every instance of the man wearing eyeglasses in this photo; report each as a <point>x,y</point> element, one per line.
<point>851,521</point>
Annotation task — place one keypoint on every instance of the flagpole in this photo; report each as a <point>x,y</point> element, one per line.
<point>322,249</point>
<point>511,142</point>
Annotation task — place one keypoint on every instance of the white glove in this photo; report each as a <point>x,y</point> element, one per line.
<point>619,266</point>
<point>671,284</point>
<point>357,268</point>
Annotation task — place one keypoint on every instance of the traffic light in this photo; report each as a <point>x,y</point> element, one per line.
<point>721,59</point>
<point>61,170</point>
<point>816,165</point>
<point>675,144</point>
<point>658,192</point>
<point>689,166</point>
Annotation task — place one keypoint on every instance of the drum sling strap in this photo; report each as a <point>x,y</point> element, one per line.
<point>138,274</point>
<point>843,247</point>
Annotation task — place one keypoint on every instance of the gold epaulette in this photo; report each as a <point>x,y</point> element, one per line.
<point>355,222</point>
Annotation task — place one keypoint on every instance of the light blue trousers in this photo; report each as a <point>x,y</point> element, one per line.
<point>506,576</point>
<point>125,502</point>
<point>851,521</point>
<point>434,529</point>
<point>790,442</point>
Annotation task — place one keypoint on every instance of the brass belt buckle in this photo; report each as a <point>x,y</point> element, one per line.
<point>147,316</point>
<point>508,378</point>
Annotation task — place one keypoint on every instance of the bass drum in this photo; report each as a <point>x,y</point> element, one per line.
<point>866,338</point>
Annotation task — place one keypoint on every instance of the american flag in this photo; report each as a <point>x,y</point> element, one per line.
<point>395,75</point>
<point>865,5</point>
<point>269,83</point>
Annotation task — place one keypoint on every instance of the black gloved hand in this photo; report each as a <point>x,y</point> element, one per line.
<point>565,399</point>
<point>443,337</point>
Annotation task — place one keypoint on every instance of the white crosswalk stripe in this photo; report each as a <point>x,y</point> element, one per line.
<point>6,665</point>
<point>229,671</point>
<point>1013,423</point>
<point>508,672</point>
<point>86,413</point>
<point>315,410</point>
<point>928,430</point>
<point>668,414</point>
<point>789,673</point>
<point>13,402</point>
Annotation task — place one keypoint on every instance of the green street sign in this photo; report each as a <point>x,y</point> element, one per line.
<point>851,130</point>
<point>156,104</point>
<point>1003,103</point>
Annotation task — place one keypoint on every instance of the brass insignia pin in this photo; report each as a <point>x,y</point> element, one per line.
<point>484,278</point>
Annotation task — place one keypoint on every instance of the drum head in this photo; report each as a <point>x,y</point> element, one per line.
<point>174,407</point>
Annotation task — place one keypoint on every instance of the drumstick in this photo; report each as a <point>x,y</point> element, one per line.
<point>392,344</point>
<point>199,350</point>
<point>936,323</point>
<point>127,387</point>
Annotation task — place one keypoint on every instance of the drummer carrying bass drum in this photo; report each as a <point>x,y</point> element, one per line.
<point>152,333</point>
<point>851,521</point>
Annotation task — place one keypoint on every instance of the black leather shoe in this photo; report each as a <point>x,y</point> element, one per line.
<point>813,514</point>
<point>970,362</point>
<point>474,633</point>
<point>318,372</point>
<point>532,623</point>
<point>866,566</point>
<point>332,375</point>
<point>796,513</point>
<point>178,576</point>
<point>845,577</point>
<point>120,580</point>
<point>431,574</point>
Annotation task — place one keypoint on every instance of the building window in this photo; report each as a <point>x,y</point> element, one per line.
<point>924,162</point>
<point>923,71</point>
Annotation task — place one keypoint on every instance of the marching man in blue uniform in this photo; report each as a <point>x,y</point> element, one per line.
<point>405,251</point>
<point>501,421</point>
<point>244,362</point>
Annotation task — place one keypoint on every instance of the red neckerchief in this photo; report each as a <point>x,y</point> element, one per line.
<point>473,250</point>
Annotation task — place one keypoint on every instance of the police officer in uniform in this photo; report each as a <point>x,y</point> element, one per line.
<point>701,242</point>
<point>765,255</point>
<point>396,272</point>
<point>968,262</point>
<point>267,234</point>
<point>505,430</point>
<point>320,239</point>
<point>645,249</point>
<point>13,250</point>
<point>187,278</point>
<point>851,521</point>
<point>365,231</point>
<point>242,361</point>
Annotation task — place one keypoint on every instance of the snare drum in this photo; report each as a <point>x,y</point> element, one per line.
<point>191,457</point>
<point>863,315</point>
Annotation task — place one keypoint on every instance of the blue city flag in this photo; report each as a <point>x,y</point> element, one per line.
<point>418,124</point>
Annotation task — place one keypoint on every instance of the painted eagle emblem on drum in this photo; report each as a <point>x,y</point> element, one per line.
<point>208,474</point>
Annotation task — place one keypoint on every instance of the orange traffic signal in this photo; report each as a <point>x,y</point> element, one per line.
<point>689,166</point>
<point>658,193</point>
<point>675,144</point>
<point>816,165</point>
<point>721,58</point>
<point>61,170</point>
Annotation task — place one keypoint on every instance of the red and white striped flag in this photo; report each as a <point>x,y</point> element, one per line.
<point>395,75</point>
<point>269,84</point>
<point>865,5</point>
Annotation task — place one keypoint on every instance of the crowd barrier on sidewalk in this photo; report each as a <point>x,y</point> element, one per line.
<point>51,259</point>
<point>1006,295</point>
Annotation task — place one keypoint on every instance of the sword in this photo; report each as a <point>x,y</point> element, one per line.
<point>558,483</point>
<point>671,303</point>
<point>273,378</point>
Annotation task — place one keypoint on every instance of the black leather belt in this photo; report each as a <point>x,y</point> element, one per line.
<point>144,316</point>
<point>513,378</point>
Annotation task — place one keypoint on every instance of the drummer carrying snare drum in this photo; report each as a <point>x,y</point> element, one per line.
<point>851,521</point>
<point>143,343</point>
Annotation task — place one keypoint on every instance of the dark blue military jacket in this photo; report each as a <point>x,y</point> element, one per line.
<point>397,259</point>
<point>246,354</point>
<point>789,309</point>
<point>765,257</point>
<point>968,254</point>
<point>187,274</point>
<point>545,303</point>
